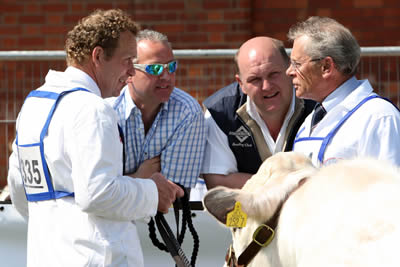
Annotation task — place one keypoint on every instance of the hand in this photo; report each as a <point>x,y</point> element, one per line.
<point>148,167</point>
<point>167,192</point>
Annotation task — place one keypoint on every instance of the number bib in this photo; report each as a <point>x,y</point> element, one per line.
<point>32,171</point>
<point>32,162</point>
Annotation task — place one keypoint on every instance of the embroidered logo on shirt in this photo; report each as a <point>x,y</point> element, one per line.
<point>241,134</point>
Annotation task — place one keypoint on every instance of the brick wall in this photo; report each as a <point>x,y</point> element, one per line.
<point>189,24</point>
<point>373,22</point>
<point>40,24</point>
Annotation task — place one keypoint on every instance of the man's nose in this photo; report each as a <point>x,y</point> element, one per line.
<point>131,70</point>
<point>266,84</point>
<point>165,74</point>
<point>290,71</point>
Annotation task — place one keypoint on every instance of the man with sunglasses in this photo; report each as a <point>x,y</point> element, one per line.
<point>163,126</point>
<point>253,118</point>
<point>350,120</point>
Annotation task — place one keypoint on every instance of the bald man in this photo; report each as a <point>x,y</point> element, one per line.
<point>252,118</point>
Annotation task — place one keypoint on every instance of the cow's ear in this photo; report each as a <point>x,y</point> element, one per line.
<point>219,201</point>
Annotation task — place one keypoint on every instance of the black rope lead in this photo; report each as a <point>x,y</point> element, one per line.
<point>187,214</point>
<point>186,220</point>
<point>171,242</point>
<point>153,237</point>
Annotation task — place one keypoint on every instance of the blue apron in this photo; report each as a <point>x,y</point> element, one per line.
<point>320,143</point>
<point>32,162</point>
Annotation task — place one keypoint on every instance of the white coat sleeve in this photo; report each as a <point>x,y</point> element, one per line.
<point>96,158</point>
<point>15,185</point>
<point>382,138</point>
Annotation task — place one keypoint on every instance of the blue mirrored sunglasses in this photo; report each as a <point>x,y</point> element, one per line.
<point>157,69</point>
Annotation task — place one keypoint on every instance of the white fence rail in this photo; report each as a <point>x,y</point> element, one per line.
<point>378,51</point>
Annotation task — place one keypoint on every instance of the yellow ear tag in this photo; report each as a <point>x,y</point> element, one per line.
<point>236,218</point>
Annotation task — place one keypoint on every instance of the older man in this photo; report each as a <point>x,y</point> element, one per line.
<point>253,118</point>
<point>350,120</point>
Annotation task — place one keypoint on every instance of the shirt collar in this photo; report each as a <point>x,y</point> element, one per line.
<point>82,79</point>
<point>337,96</point>
<point>252,110</point>
<point>130,106</point>
<point>273,145</point>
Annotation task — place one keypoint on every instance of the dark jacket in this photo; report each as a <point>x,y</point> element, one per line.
<point>227,106</point>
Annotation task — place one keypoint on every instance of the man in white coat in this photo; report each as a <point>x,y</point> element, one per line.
<point>65,173</point>
<point>355,120</point>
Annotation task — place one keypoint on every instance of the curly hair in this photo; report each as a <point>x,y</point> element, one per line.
<point>100,28</point>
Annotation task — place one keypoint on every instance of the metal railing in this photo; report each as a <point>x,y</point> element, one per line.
<point>379,64</point>
<point>378,51</point>
<point>201,72</point>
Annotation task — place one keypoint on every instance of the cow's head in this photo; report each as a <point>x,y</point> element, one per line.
<point>261,196</point>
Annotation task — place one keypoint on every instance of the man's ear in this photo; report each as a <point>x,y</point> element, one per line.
<point>237,77</point>
<point>327,66</point>
<point>97,55</point>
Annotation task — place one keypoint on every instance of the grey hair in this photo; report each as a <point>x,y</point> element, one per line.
<point>329,38</point>
<point>152,35</point>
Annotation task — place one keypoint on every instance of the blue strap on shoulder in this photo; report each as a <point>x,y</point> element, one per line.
<point>51,194</point>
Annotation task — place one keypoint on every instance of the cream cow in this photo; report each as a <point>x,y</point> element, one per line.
<point>345,214</point>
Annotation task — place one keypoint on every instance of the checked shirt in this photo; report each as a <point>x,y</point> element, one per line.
<point>177,134</point>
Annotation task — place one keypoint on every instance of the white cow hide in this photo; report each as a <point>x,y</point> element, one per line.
<point>345,214</point>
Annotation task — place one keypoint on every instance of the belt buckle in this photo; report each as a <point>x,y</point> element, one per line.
<point>270,238</point>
